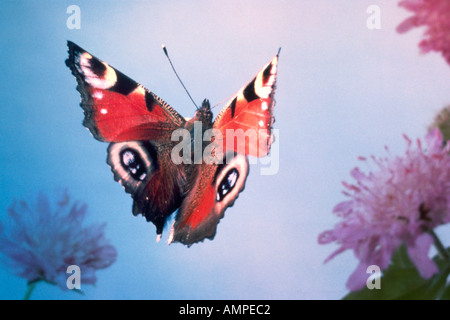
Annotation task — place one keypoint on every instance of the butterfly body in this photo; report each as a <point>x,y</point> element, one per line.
<point>166,162</point>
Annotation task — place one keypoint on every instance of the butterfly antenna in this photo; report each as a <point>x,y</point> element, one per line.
<point>224,100</point>
<point>173,68</point>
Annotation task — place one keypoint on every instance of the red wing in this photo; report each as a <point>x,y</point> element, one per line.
<point>246,121</point>
<point>215,188</point>
<point>116,108</point>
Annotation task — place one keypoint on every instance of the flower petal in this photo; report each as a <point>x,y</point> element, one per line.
<point>38,243</point>
<point>418,252</point>
<point>394,204</point>
<point>358,279</point>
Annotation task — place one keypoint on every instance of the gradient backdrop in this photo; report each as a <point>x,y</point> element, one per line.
<point>343,91</point>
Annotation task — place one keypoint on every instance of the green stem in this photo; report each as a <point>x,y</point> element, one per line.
<point>30,288</point>
<point>439,246</point>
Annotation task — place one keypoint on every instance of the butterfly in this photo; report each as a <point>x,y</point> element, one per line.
<point>139,127</point>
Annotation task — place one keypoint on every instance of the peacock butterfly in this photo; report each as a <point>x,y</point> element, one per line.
<point>140,127</point>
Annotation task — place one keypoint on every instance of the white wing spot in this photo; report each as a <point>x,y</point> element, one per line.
<point>261,123</point>
<point>105,82</point>
<point>98,95</point>
<point>103,111</point>
<point>264,106</point>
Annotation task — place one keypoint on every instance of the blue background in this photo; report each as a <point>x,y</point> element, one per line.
<point>343,91</point>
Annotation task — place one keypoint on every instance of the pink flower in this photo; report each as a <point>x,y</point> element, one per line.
<point>397,203</point>
<point>435,15</point>
<point>39,242</point>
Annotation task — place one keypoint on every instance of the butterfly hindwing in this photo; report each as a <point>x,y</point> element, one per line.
<point>149,175</point>
<point>216,188</point>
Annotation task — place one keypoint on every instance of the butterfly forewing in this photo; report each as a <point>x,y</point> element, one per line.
<point>116,107</point>
<point>246,121</point>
